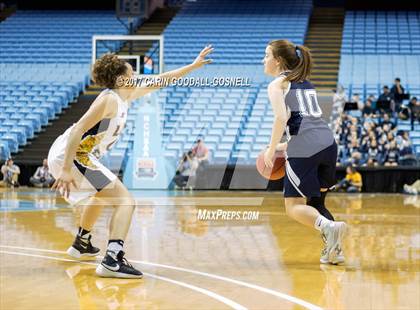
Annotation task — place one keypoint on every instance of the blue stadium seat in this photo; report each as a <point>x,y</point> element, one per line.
<point>4,150</point>
<point>12,141</point>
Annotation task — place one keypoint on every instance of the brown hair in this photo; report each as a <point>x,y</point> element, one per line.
<point>296,58</point>
<point>106,70</point>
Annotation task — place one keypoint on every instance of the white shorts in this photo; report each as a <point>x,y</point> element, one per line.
<point>90,175</point>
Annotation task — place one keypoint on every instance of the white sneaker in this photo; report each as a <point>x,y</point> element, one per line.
<point>409,190</point>
<point>334,234</point>
<point>324,254</point>
<point>117,267</point>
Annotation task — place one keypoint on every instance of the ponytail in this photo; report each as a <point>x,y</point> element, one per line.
<point>304,66</point>
<point>295,58</point>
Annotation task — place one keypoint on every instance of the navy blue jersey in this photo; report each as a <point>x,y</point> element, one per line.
<point>307,132</point>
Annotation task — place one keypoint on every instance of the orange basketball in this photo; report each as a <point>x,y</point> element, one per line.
<point>278,170</point>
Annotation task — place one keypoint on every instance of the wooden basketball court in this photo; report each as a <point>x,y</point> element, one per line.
<point>265,261</point>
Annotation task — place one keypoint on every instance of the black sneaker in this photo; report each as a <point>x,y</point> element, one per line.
<point>82,247</point>
<point>117,268</point>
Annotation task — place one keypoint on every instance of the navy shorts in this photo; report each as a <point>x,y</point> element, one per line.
<point>305,176</point>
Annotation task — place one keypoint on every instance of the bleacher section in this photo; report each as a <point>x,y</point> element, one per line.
<point>44,65</point>
<point>215,113</point>
<point>377,47</point>
<point>26,106</point>
<point>54,36</point>
<point>242,30</point>
<point>381,32</point>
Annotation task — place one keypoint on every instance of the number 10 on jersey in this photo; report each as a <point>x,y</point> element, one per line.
<point>308,102</point>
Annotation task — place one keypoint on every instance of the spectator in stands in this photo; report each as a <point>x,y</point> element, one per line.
<point>201,151</point>
<point>397,92</point>
<point>356,98</point>
<point>340,98</point>
<point>186,171</point>
<point>404,113</point>
<point>414,107</point>
<point>355,156</point>
<point>386,96</point>
<point>367,110</point>
<point>370,163</point>
<point>346,133</point>
<point>10,173</point>
<point>373,153</point>
<point>387,121</point>
<point>366,128</point>
<point>352,183</point>
<point>364,145</point>
<point>372,98</point>
<point>390,138</point>
<point>392,155</point>
<point>407,156</point>
<point>356,159</point>
<point>386,129</point>
<point>379,131</point>
<point>405,141</point>
<point>382,141</point>
<point>353,144</point>
<point>371,134</point>
<point>364,136</point>
<point>42,176</point>
<point>369,120</point>
<point>341,154</point>
<point>355,121</point>
<point>355,131</point>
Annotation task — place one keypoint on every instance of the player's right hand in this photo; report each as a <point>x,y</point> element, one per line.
<point>201,58</point>
<point>62,184</point>
<point>268,157</point>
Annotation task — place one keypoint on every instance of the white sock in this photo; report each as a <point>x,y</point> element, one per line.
<point>115,246</point>
<point>321,222</point>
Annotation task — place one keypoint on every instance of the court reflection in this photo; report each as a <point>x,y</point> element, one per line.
<point>101,293</point>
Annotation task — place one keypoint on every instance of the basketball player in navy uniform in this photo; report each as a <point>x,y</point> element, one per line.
<point>310,147</point>
<point>82,179</point>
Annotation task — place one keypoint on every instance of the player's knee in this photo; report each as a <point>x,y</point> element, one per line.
<point>125,202</point>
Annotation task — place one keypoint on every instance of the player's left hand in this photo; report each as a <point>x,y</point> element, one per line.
<point>201,58</point>
<point>268,157</point>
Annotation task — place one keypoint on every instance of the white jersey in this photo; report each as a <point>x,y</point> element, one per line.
<point>100,138</point>
<point>91,176</point>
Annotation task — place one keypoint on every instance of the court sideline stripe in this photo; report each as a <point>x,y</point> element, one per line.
<point>211,294</point>
<point>280,295</point>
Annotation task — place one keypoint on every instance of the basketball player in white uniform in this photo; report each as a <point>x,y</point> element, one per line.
<point>80,177</point>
